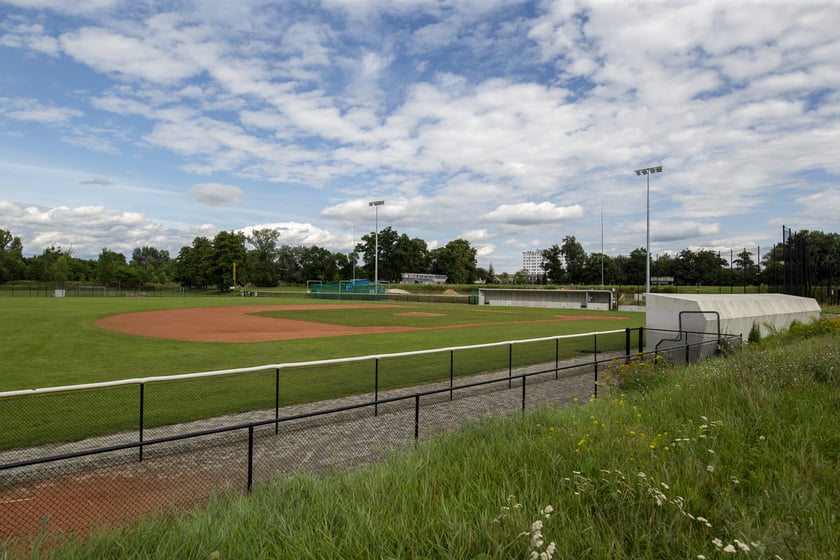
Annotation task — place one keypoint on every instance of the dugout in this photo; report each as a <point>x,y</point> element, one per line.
<point>561,299</point>
<point>673,319</point>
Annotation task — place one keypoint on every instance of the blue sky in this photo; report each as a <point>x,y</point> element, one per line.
<point>509,124</point>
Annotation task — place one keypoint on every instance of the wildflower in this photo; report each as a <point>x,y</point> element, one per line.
<point>742,546</point>
<point>729,549</point>
<point>701,557</point>
<point>710,468</point>
<point>717,542</point>
<point>547,511</point>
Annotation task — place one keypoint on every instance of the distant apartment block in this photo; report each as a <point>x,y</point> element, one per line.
<point>532,262</point>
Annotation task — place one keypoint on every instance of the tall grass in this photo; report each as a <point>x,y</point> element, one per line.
<point>734,457</point>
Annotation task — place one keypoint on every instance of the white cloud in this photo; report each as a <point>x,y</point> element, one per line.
<point>216,194</point>
<point>86,230</point>
<point>32,110</point>
<point>533,213</point>
<point>129,57</point>
<point>29,36</point>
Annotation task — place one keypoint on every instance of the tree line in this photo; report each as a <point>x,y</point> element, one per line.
<point>261,260</point>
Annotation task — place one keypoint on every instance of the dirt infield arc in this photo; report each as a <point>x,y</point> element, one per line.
<point>240,324</point>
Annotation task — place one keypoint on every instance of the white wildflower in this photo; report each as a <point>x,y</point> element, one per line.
<point>742,546</point>
<point>729,549</point>
<point>710,468</point>
<point>717,542</point>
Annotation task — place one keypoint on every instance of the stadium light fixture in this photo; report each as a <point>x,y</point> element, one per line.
<point>647,172</point>
<point>376,204</point>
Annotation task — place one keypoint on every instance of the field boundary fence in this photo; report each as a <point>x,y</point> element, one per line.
<point>64,485</point>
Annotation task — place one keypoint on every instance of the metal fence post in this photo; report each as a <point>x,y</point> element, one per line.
<point>416,416</point>
<point>142,401</point>
<point>451,373</point>
<point>523,394</point>
<point>687,346</point>
<point>510,366</point>
<point>376,390</point>
<point>556,358</point>
<point>641,340</point>
<point>627,346</point>
<point>277,401</point>
<point>250,457</point>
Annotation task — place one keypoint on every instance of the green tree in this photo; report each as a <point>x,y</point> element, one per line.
<point>457,260</point>
<point>193,264</point>
<point>634,267</point>
<point>53,265</point>
<point>228,248</point>
<point>263,267</point>
<point>575,258</point>
<point>407,255</point>
<point>110,267</point>
<point>553,264</point>
<point>747,270</point>
<point>389,262</point>
<point>289,264</point>
<point>151,265</point>
<point>12,264</point>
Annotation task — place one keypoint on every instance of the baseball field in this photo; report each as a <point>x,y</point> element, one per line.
<point>47,342</point>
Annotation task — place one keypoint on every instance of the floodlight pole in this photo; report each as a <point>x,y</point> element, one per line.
<point>647,172</point>
<point>376,204</point>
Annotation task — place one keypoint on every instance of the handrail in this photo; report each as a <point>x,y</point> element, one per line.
<point>286,365</point>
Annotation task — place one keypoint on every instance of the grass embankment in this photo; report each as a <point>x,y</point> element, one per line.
<point>734,457</point>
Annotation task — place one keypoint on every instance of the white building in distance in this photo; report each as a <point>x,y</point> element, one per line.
<point>532,262</point>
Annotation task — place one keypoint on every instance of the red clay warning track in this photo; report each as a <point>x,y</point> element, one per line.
<point>239,324</point>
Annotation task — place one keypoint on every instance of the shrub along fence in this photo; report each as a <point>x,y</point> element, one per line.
<point>76,475</point>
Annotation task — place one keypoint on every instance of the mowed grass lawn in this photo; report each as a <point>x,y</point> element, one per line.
<point>47,342</point>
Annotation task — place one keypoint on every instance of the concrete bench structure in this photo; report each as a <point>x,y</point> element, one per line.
<point>561,299</point>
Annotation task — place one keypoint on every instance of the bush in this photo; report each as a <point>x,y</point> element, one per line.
<point>755,334</point>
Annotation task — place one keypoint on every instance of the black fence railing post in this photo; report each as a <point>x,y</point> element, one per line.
<point>641,340</point>
<point>627,346</point>
<point>250,457</point>
<point>510,365</point>
<point>276,401</point>
<point>451,373</point>
<point>523,393</point>
<point>556,358</point>
<point>376,390</point>
<point>142,402</point>
<point>687,346</point>
<point>416,416</point>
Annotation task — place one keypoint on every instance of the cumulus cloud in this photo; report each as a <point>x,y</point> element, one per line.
<point>532,213</point>
<point>216,194</point>
<point>86,230</point>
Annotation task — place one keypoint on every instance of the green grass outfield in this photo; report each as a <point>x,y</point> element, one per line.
<point>48,342</point>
